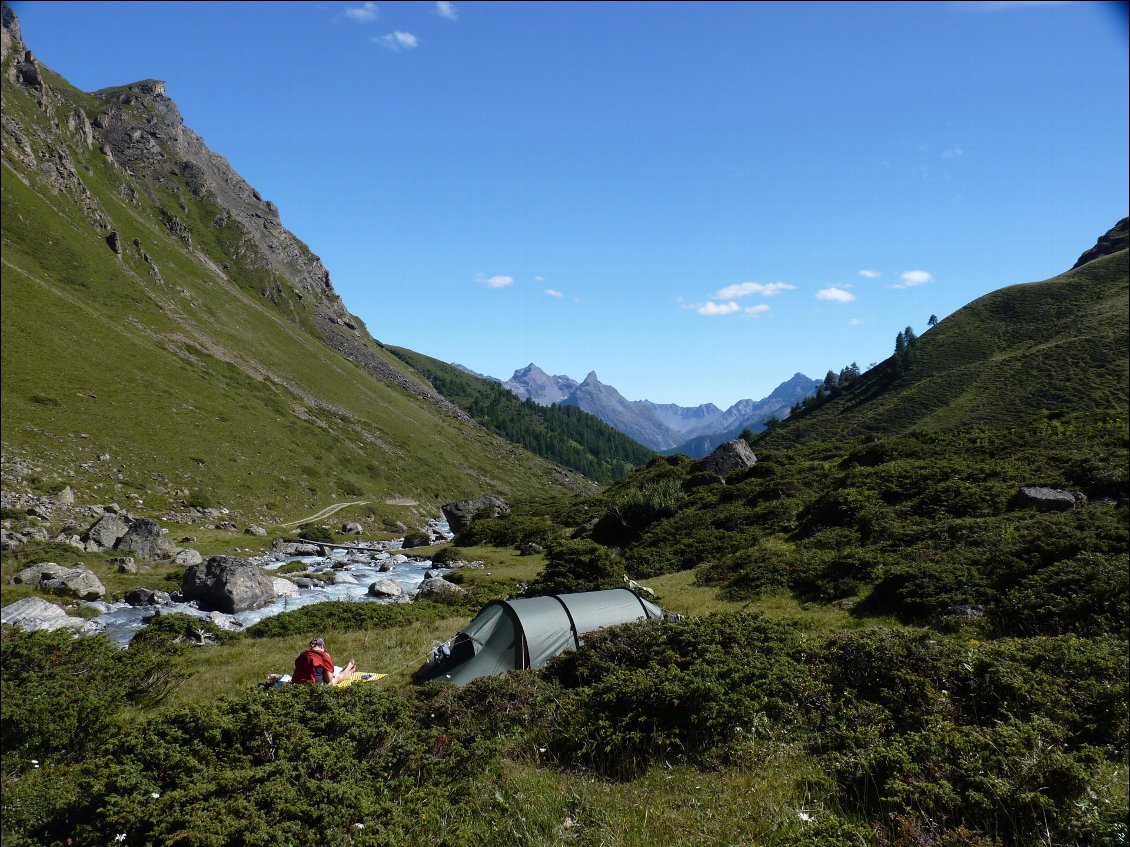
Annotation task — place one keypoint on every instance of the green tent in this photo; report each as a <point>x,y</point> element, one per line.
<point>511,634</point>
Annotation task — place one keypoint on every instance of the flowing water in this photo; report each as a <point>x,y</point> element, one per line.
<point>354,570</point>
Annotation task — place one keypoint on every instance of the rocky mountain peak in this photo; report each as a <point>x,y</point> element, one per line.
<point>1114,239</point>
<point>531,382</point>
<point>11,41</point>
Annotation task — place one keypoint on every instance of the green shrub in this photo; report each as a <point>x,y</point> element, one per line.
<point>446,555</point>
<point>1087,595</point>
<point>199,500</point>
<point>62,695</point>
<point>510,530</point>
<point>340,616</point>
<point>576,566</point>
<point>635,509</point>
<point>173,632</point>
<point>317,532</point>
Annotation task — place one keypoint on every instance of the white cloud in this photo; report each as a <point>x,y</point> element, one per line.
<point>856,322</point>
<point>397,40</point>
<point>867,273</point>
<point>952,153</point>
<point>539,279</point>
<point>836,295</point>
<point>711,308</point>
<point>744,289</point>
<point>497,281</point>
<point>759,309</point>
<point>553,292</point>
<point>362,14</point>
<point>913,278</point>
<point>446,9</point>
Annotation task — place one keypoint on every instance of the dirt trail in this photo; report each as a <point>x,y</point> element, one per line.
<point>325,513</point>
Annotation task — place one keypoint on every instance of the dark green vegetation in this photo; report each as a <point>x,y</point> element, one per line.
<point>1056,346</point>
<point>562,434</point>
<point>210,360</point>
<point>890,738</point>
<point>994,714</point>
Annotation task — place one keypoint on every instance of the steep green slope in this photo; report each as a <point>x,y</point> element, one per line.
<point>1060,346</point>
<point>563,434</point>
<point>165,336</point>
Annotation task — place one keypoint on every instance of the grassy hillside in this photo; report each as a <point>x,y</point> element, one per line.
<point>563,434</point>
<point>1055,346</point>
<point>192,362</point>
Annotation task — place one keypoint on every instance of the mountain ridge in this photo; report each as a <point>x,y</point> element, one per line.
<point>665,427</point>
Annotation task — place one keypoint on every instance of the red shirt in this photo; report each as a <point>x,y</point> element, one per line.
<point>307,664</point>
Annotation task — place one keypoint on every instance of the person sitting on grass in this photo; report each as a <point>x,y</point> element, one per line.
<point>315,665</point>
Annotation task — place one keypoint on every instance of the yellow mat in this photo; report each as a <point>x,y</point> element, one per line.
<point>361,676</point>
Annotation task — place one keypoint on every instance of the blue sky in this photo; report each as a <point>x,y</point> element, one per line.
<point>695,200</point>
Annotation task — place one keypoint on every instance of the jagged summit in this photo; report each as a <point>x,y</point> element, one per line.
<point>659,426</point>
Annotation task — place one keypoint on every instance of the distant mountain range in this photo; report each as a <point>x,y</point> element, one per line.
<point>667,427</point>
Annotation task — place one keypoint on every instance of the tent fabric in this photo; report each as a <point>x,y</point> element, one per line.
<point>526,633</point>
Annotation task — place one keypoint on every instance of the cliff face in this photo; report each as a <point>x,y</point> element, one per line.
<point>140,131</point>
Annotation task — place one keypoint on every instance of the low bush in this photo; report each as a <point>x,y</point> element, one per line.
<point>338,616</point>
<point>577,566</point>
<point>317,532</point>
<point>61,695</point>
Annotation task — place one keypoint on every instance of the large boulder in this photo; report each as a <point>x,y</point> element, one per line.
<point>187,556</point>
<point>439,587</point>
<point>284,587</point>
<point>227,584</point>
<point>416,539</point>
<point>294,548</point>
<point>79,583</point>
<point>35,613</point>
<point>461,513</point>
<point>729,457</point>
<point>35,574</point>
<point>1048,499</point>
<point>106,532</point>
<point>144,539</point>
<point>385,588</point>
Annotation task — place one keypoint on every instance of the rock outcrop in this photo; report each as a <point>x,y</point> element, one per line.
<point>461,513</point>
<point>1048,499</point>
<point>35,613</point>
<point>145,540</point>
<point>1115,239</point>
<point>729,457</point>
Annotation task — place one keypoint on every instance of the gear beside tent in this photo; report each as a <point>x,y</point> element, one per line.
<point>515,634</point>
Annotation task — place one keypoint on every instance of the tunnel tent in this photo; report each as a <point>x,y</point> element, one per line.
<point>526,633</point>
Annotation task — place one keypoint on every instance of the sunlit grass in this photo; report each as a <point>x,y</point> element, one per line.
<point>530,802</point>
